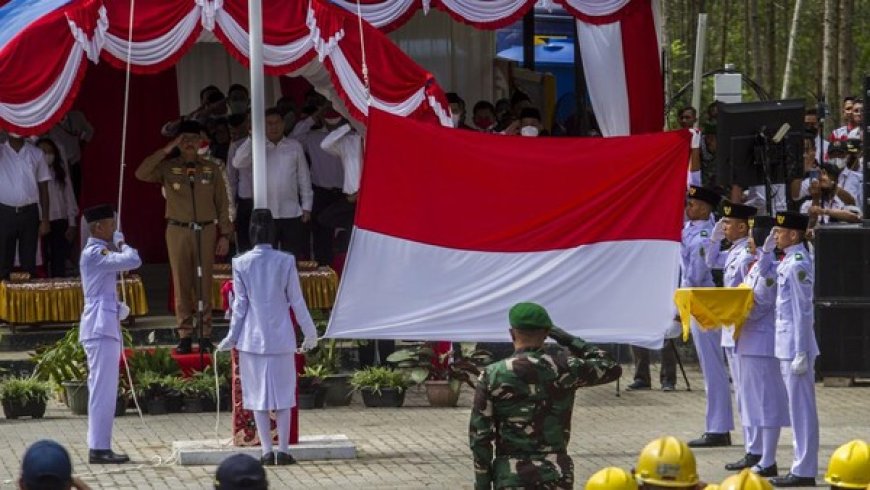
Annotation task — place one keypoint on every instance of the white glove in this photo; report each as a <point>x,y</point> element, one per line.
<point>117,238</point>
<point>309,343</point>
<point>769,243</point>
<point>123,311</point>
<point>696,138</point>
<point>226,344</point>
<point>800,364</point>
<point>718,231</point>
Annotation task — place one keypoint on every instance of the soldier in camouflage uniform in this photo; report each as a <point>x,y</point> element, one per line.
<point>523,404</point>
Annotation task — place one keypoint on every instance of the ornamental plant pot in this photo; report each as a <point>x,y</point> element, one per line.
<point>305,401</point>
<point>156,406</point>
<point>174,403</point>
<point>388,397</point>
<point>338,391</point>
<point>441,394</point>
<point>77,396</point>
<point>192,404</point>
<point>13,409</point>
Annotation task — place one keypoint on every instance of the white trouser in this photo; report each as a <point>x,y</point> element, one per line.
<point>750,434</point>
<point>720,417</point>
<point>804,418</point>
<point>103,355</point>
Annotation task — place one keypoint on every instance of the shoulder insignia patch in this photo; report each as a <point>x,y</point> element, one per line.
<point>104,251</point>
<point>798,256</point>
<point>177,170</point>
<point>769,282</point>
<point>704,233</point>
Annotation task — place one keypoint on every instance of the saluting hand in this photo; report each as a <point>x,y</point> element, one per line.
<point>769,243</point>
<point>718,231</point>
<point>172,145</point>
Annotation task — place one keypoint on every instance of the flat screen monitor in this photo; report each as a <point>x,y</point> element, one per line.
<point>741,148</point>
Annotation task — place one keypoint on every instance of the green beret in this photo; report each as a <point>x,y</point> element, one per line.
<point>529,316</point>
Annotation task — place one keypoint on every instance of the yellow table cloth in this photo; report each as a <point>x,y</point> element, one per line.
<point>58,300</point>
<point>713,307</point>
<point>318,286</point>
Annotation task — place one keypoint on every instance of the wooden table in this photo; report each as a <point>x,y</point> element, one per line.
<point>319,286</point>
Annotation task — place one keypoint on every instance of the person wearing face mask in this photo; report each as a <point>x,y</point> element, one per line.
<point>825,206</point>
<point>327,176</point>
<point>483,116</point>
<point>24,178</point>
<point>63,212</point>
<point>530,123</point>
<point>457,110</point>
<point>800,189</point>
<point>851,176</point>
<point>212,103</point>
<point>811,124</point>
<point>238,100</point>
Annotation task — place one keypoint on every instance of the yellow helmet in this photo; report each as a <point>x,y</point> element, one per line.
<point>611,479</point>
<point>745,480</point>
<point>712,486</point>
<point>667,462</point>
<point>850,465</point>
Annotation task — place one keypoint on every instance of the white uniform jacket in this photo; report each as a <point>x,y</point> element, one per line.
<point>265,287</point>
<point>794,305</point>
<point>99,267</point>
<point>757,335</point>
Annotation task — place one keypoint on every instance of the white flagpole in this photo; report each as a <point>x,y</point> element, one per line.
<point>258,120</point>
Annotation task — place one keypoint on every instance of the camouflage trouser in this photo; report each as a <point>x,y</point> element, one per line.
<point>550,471</point>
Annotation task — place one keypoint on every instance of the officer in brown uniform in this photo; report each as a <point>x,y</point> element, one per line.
<point>186,178</point>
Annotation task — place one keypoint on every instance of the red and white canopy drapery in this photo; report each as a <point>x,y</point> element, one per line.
<point>619,43</point>
<point>45,51</point>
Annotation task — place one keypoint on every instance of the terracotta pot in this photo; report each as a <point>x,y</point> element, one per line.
<point>440,394</point>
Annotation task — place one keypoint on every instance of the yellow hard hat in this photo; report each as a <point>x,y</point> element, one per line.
<point>745,480</point>
<point>611,478</point>
<point>850,465</point>
<point>712,486</point>
<point>667,462</point>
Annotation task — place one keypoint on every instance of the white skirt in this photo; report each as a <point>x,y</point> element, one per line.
<point>763,398</point>
<point>268,380</point>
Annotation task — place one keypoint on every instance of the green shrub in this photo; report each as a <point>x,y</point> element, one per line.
<point>24,390</point>
<point>378,378</point>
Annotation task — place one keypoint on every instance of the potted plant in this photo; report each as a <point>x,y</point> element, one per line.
<point>337,389</point>
<point>312,393</point>
<point>205,383</point>
<point>159,394</point>
<point>380,386</point>
<point>24,397</point>
<point>441,376</point>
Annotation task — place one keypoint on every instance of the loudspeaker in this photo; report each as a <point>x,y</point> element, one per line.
<point>842,300</point>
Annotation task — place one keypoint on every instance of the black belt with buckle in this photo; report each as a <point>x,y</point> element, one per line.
<point>192,225</point>
<point>19,209</point>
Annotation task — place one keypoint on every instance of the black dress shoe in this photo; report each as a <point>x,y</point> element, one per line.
<point>284,459</point>
<point>106,456</point>
<point>268,459</point>
<point>205,345</point>
<point>712,439</point>
<point>185,346</point>
<point>747,461</point>
<point>638,385</point>
<point>792,480</point>
<point>768,472</point>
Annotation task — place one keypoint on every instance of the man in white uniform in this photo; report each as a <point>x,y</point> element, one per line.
<point>104,256</point>
<point>266,285</point>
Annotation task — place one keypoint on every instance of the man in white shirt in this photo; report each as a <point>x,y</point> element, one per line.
<point>24,177</point>
<point>69,134</point>
<point>327,176</point>
<point>288,191</point>
<point>240,181</point>
<point>853,117</point>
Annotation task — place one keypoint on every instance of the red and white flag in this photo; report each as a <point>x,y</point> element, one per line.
<point>453,227</point>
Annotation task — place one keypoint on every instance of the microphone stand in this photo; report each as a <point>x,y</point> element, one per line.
<point>197,230</point>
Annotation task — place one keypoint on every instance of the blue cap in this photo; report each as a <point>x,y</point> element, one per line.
<point>240,471</point>
<point>46,464</point>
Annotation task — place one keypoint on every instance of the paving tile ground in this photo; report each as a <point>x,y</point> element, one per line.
<point>421,447</point>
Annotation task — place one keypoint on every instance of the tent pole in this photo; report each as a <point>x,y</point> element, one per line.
<point>258,119</point>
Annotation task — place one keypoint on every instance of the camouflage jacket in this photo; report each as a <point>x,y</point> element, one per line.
<point>523,404</point>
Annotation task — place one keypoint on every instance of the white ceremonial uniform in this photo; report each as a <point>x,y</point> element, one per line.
<point>795,337</point>
<point>100,332</point>
<point>734,266</point>
<point>265,287</point>
<point>696,273</point>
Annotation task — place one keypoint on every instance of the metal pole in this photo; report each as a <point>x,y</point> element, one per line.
<point>581,125</point>
<point>700,46</point>
<point>258,109</point>
<point>529,40</point>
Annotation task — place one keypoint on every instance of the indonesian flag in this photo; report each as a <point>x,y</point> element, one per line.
<point>453,227</point>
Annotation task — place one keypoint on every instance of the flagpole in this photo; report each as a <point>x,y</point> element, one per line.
<point>258,109</point>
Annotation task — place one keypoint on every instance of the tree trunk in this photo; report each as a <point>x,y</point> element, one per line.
<point>789,57</point>
<point>829,40</point>
<point>758,66</point>
<point>770,61</point>
<point>846,50</point>
<point>723,42</point>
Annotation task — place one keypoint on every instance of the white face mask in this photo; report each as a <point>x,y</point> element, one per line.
<point>455,118</point>
<point>14,135</point>
<point>49,158</point>
<point>332,121</point>
<point>839,162</point>
<point>529,131</point>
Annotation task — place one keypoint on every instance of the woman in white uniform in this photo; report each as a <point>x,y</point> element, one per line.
<point>266,285</point>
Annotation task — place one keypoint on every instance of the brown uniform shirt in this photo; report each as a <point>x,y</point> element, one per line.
<point>209,187</point>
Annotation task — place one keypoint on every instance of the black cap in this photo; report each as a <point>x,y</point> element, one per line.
<point>531,113</point>
<point>240,471</point>
<point>98,212</point>
<point>837,146</point>
<point>792,220</point>
<point>761,226</point>
<point>453,98</point>
<point>189,126</point>
<point>853,146</point>
<point>738,211</point>
<point>704,194</point>
<point>46,464</point>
